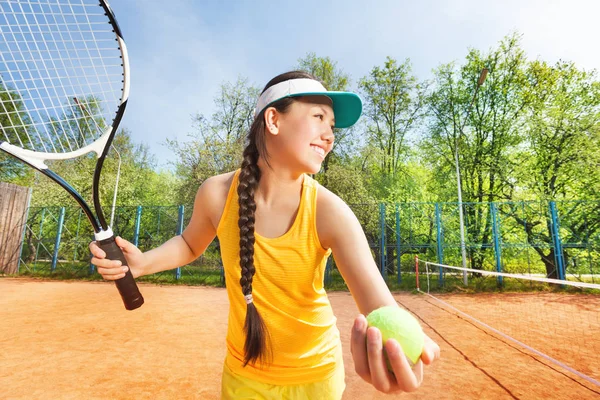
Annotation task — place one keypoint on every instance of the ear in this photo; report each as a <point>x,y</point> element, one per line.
<point>272,120</point>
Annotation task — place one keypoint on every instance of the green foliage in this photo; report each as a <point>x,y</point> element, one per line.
<point>561,157</point>
<point>486,137</point>
<point>486,140</point>
<point>326,70</point>
<point>216,145</point>
<point>13,122</point>
<point>348,184</point>
<point>394,102</point>
<point>530,132</point>
<point>563,133</point>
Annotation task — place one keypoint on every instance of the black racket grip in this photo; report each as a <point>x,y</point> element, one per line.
<point>132,298</point>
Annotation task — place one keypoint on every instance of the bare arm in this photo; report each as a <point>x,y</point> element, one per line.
<point>339,229</point>
<point>177,251</point>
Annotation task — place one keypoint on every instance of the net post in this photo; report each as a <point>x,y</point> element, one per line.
<point>417,272</point>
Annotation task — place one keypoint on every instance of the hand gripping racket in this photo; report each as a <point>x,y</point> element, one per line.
<point>64,84</point>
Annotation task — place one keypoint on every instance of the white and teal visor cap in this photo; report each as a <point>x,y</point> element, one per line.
<point>347,106</point>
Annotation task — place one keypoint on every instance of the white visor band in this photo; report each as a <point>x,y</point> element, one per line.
<point>287,89</point>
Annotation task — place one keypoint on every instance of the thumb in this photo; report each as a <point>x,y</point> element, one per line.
<point>431,351</point>
<point>125,246</point>
<point>427,356</point>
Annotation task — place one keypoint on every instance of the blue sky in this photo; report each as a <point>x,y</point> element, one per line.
<point>182,50</point>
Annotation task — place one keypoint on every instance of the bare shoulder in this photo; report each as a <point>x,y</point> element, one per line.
<point>326,199</point>
<point>212,195</point>
<point>333,216</point>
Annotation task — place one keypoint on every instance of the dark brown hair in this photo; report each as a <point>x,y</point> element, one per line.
<point>255,347</point>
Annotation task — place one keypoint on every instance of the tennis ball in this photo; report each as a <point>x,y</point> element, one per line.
<point>397,323</point>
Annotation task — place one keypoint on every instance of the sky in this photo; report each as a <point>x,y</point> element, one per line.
<point>181,51</point>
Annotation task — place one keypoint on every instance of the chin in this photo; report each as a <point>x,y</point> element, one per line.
<point>310,168</point>
<point>313,169</point>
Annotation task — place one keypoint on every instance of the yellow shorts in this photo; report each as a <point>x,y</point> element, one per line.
<point>234,386</point>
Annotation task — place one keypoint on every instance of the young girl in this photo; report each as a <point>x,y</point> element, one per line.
<point>277,227</point>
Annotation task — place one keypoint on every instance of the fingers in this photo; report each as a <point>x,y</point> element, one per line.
<point>358,348</point>
<point>381,379</point>
<point>408,379</point>
<point>96,250</point>
<point>370,359</point>
<point>431,351</point>
<point>113,272</point>
<point>123,244</point>
<point>109,269</point>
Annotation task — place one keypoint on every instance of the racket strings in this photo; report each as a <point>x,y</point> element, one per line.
<point>61,75</point>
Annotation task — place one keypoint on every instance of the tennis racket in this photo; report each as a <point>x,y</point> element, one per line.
<point>64,84</point>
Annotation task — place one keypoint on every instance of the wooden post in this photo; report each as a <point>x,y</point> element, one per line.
<point>14,205</point>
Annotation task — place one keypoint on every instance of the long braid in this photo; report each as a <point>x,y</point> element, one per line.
<point>255,346</point>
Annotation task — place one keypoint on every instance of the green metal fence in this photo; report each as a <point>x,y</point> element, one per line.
<point>555,239</point>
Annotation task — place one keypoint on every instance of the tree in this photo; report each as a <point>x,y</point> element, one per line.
<point>393,107</point>
<point>491,136</point>
<point>562,132</point>
<point>561,160</point>
<point>346,182</point>
<point>216,145</point>
<point>14,122</point>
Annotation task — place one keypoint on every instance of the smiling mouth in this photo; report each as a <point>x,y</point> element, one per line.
<point>318,150</point>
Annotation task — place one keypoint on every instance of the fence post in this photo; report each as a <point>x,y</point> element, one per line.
<point>382,259</point>
<point>61,219</point>
<point>37,247</point>
<point>328,271</point>
<point>497,239</point>
<point>158,221</point>
<point>417,272</point>
<point>179,232</point>
<point>440,240</point>
<point>398,244</point>
<point>26,220</point>
<point>558,252</point>
<point>91,267</point>
<point>439,234</point>
<point>136,232</point>
<point>76,241</point>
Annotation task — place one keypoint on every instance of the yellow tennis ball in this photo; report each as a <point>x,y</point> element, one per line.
<point>397,323</point>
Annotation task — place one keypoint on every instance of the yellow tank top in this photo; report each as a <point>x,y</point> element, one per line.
<point>288,293</point>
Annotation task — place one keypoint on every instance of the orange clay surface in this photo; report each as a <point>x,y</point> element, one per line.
<point>74,340</point>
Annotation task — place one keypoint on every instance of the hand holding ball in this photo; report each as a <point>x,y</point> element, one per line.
<point>396,323</point>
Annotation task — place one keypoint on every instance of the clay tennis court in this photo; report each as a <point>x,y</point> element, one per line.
<point>74,340</point>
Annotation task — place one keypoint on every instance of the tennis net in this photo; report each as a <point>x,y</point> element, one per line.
<point>556,320</point>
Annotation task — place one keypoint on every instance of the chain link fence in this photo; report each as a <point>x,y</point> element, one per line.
<point>553,239</point>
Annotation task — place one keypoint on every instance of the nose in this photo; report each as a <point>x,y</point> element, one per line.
<point>328,135</point>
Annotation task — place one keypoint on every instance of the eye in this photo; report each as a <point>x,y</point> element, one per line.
<point>320,116</point>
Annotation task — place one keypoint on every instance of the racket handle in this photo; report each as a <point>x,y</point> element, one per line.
<point>132,298</point>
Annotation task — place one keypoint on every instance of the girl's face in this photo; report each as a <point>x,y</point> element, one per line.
<point>300,139</point>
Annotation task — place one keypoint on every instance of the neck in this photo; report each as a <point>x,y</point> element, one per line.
<point>277,183</point>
